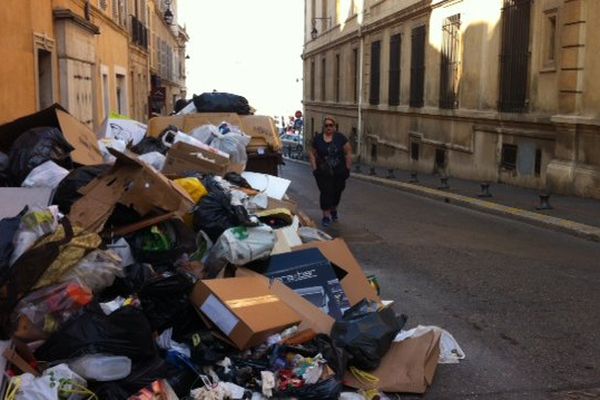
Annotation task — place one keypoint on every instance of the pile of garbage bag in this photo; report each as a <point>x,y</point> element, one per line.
<point>153,266</point>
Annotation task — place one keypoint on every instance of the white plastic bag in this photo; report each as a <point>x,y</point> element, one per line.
<point>205,133</point>
<point>155,159</point>
<point>309,234</point>
<point>112,143</point>
<point>450,351</point>
<point>101,367</point>
<point>97,270</point>
<point>33,226</point>
<point>233,144</point>
<point>127,130</point>
<point>58,382</point>
<point>48,174</point>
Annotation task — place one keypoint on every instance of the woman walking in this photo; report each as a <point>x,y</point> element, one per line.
<point>331,160</point>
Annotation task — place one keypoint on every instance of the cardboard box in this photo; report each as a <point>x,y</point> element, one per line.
<point>14,199</point>
<point>355,283</point>
<point>133,184</point>
<point>189,122</point>
<point>313,277</point>
<point>244,309</point>
<point>183,157</point>
<point>77,134</point>
<point>408,366</point>
<point>263,131</point>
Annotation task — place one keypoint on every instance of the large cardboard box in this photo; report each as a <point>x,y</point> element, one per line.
<point>244,309</point>
<point>184,157</point>
<point>263,131</point>
<point>82,138</point>
<point>313,277</point>
<point>355,283</point>
<point>187,123</point>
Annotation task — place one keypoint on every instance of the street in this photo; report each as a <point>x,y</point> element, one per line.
<point>521,301</point>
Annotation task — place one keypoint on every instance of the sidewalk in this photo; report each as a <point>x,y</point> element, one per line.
<point>570,214</point>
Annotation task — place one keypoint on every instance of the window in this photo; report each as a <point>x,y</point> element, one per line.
<point>514,59</point>
<point>337,78</point>
<point>417,67</point>
<point>44,71</point>
<point>121,94</point>
<point>355,72</point>
<point>414,150</point>
<point>538,162</point>
<point>509,156</point>
<point>440,159</point>
<point>394,81</point>
<point>450,62</point>
<point>375,67</point>
<point>103,4</point>
<point>323,79</point>
<point>312,79</point>
<point>550,39</point>
<point>105,94</point>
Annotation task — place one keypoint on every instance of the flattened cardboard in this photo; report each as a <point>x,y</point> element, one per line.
<point>312,276</point>
<point>77,134</point>
<point>14,199</point>
<point>312,317</point>
<point>184,157</point>
<point>245,309</point>
<point>81,138</point>
<point>290,205</point>
<point>355,283</point>
<point>189,122</point>
<point>408,367</point>
<point>158,124</point>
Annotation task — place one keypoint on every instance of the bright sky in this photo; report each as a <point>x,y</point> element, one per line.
<point>250,48</point>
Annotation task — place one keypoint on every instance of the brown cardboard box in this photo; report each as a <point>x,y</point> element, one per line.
<point>189,122</point>
<point>312,317</point>
<point>77,134</point>
<point>245,310</point>
<point>408,367</point>
<point>355,283</point>
<point>263,130</point>
<point>183,157</point>
<point>133,184</point>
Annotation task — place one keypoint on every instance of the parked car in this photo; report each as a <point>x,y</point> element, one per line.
<point>292,145</point>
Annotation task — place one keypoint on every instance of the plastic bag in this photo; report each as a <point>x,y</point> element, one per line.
<point>193,187</point>
<point>101,367</point>
<point>149,144</point>
<point>125,332</point>
<point>215,213</point>
<point>205,133</point>
<point>233,144</point>
<point>4,161</point>
<point>48,308</point>
<point>450,350</point>
<point>106,143</point>
<point>34,225</point>
<point>239,246</point>
<point>67,191</point>
<point>165,300</point>
<point>135,277</point>
<point>154,159</point>
<point>221,102</point>
<point>8,230</point>
<point>97,270</point>
<point>237,179</point>
<point>35,147</point>
<point>56,383</point>
<point>47,174</point>
<point>366,332</point>
<point>309,234</point>
<point>126,130</point>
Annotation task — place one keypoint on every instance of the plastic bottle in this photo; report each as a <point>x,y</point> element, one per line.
<point>172,137</point>
<point>101,367</point>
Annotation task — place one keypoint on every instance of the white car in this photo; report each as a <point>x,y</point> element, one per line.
<point>292,144</point>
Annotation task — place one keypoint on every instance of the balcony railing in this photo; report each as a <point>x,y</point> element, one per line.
<point>139,33</point>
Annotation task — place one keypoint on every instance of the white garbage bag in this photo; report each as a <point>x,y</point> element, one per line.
<point>155,159</point>
<point>450,351</point>
<point>34,225</point>
<point>48,174</point>
<point>205,133</point>
<point>97,270</point>
<point>58,382</point>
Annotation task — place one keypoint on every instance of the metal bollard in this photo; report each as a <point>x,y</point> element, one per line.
<point>544,202</point>
<point>372,171</point>
<point>390,174</point>
<point>413,177</point>
<point>357,168</point>
<point>444,183</point>
<point>485,190</point>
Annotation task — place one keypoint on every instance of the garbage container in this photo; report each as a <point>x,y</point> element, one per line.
<point>264,163</point>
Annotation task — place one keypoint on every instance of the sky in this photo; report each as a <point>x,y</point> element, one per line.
<point>250,48</point>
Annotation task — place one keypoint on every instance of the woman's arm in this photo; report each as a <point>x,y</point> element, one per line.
<point>312,157</point>
<point>348,155</point>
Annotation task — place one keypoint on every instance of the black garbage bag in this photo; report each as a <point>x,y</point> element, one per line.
<point>125,332</point>
<point>215,214</point>
<point>206,349</point>
<point>221,102</point>
<point>136,275</point>
<point>8,228</point>
<point>237,179</point>
<point>366,332</point>
<point>149,144</point>
<point>67,191</point>
<point>165,300</point>
<point>162,244</point>
<point>35,147</point>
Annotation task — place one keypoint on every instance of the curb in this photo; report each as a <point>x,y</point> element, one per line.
<point>545,221</point>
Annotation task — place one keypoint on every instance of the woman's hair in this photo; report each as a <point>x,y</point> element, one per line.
<point>328,118</point>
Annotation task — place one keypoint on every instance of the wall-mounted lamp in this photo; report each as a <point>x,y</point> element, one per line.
<point>187,57</point>
<point>314,33</point>
<point>168,16</point>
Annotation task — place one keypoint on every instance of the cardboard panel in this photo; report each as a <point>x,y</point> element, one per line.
<point>14,199</point>
<point>193,121</point>
<point>261,126</point>
<point>158,124</point>
<point>81,138</point>
<point>184,157</point>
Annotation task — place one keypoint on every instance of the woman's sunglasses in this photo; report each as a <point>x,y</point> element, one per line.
<point>329,125</point>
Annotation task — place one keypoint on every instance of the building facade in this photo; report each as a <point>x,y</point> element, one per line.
<point>91,56</point>
<point>494,90</point>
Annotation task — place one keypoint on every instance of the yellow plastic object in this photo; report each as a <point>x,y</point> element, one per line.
<point>193,187</point>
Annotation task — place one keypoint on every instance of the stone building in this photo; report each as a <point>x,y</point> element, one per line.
<point>91,56</point>
<point>490,90</point>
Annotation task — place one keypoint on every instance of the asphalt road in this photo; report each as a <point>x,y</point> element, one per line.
<point>523,302</point>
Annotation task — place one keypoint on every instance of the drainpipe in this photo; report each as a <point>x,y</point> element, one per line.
<point>360,92</point>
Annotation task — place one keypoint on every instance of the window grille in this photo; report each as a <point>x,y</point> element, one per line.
<point>450,62</point>
<point>394,80</point>
<point>417,67</point>
<point>375,67</point>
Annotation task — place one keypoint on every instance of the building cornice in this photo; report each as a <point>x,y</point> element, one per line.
<point>65,14</point>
